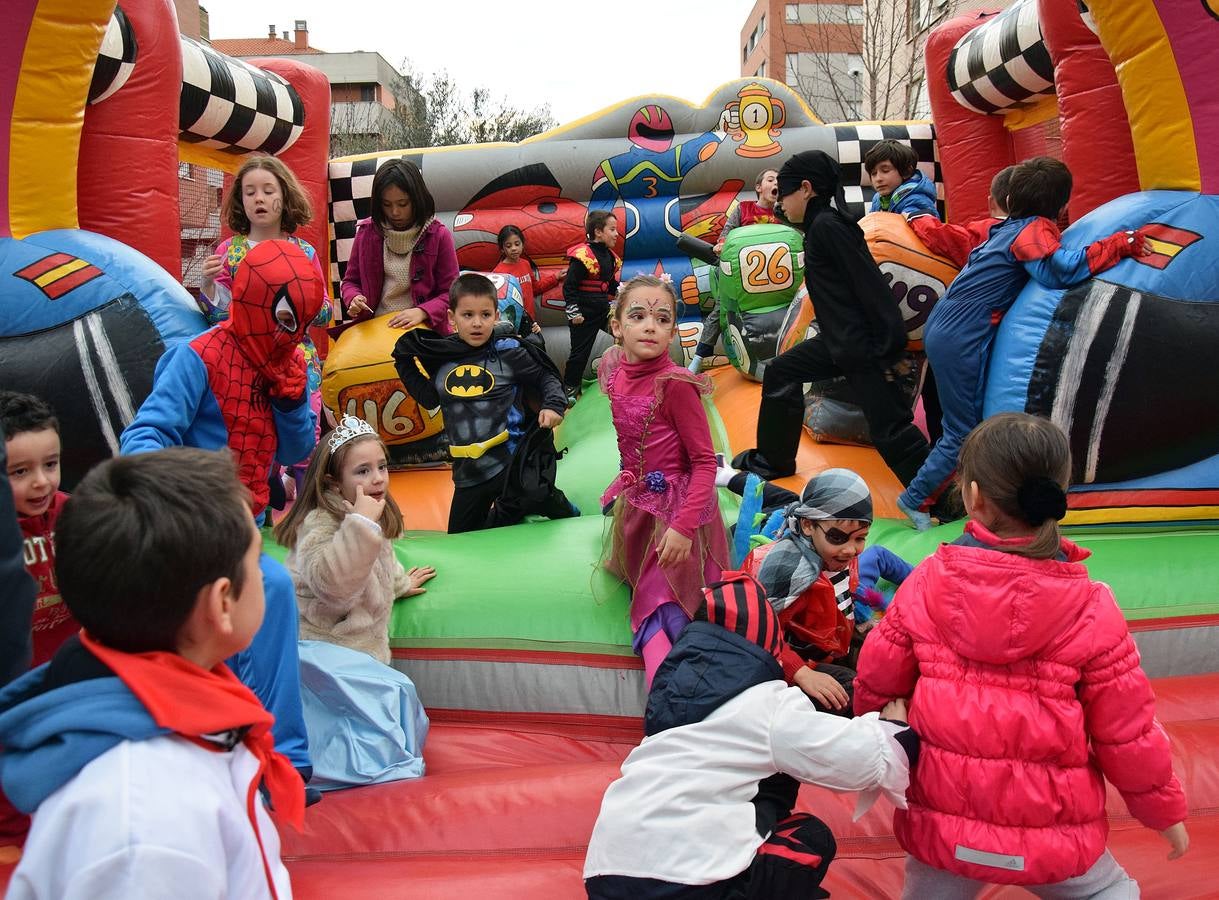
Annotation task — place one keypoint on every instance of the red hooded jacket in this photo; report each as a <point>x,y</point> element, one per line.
<point>1027,696</point>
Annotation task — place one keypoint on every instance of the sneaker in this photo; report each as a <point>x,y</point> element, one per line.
<point>572,396</point>
<point>949,507</point>
<point>919,519</point>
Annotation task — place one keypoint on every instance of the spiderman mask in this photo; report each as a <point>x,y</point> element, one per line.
<point>276,294</point>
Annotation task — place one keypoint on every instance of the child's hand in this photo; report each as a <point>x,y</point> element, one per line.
<point>674,548</point>
<point>548,418</point>
<point>211,268</point>
<point>896,711</point>
<point>1178,837</point>
<point>407,318</point>
<point>358,306</point>
<point>822,687</point>
<point>419,575</point>
<point>537,329</point>
<point>578,320</point>
<point>368,507</point>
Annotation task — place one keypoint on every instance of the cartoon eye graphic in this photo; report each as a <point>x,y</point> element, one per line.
<point>285,315</point>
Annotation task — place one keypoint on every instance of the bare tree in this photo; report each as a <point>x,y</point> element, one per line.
<point>861,60</point>
<point>432,111</point>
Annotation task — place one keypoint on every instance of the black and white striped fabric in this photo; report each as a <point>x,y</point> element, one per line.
<point>350,201</point>
<point>116,59</point>
<point>1002,63</point>
<point>230,105</point>
<point>854,141</point>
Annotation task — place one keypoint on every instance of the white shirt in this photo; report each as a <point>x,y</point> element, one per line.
<point>681,810</point>
<point>153,819</point>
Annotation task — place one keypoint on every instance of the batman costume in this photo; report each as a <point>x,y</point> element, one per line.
<point>488,395</point>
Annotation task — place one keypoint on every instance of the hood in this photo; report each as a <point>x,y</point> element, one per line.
<point>276,296</point>
<point>999,608</point>
<point>918,183</point>
<point>58,718</point>
<point>706,668</point>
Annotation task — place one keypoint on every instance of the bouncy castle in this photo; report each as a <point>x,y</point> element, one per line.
<point>520,649</point>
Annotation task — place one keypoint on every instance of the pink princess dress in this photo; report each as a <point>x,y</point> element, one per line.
<point>667,481</point>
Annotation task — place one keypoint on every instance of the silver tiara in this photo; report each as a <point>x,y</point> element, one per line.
<point>349,428</point>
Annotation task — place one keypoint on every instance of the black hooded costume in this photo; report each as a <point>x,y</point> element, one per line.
<point>861,335</point>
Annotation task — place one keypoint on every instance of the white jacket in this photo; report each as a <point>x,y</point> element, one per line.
<point>681,810</point>
<point>154,819</point>
<point>346,577</point>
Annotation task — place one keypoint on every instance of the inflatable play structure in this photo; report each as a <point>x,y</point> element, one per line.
<point>520,648</point>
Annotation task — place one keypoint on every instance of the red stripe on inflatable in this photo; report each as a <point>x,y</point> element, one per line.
<point>1166,497</point>
<point>534,657</point>
<point>61,286</point>
<point>575,725</point>
<point>1174,623</point>
<point>44,265</point>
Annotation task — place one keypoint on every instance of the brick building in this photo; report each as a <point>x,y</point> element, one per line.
<point>860,59</point>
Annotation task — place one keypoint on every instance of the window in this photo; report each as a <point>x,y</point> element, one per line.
<point>793,69</point>
<point>791,13</point>
<point>368,93</point>
<point>761,73</point>
<point>184,171</point>
<point>762,25</point>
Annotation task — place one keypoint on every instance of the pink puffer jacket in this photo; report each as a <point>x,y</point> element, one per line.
<point>1027,695</point>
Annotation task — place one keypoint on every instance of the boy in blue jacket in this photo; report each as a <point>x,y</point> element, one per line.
<point>900,187</point>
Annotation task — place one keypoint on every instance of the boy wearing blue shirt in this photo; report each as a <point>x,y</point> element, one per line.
<point>900,187</point>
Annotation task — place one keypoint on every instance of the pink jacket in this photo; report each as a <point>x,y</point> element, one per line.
<point>433,269</point>
<point>1027,696</point>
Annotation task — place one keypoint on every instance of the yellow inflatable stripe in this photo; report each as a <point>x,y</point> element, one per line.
<point>59,272</point>
<point>1160,121</point>
<point>1117,515</point>
<point>210,157</point>
<point>49,111</point>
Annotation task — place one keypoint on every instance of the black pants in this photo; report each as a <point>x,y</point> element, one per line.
<point>479,506</point>
<point>583,336</point>
<point>773,496</point>
<point>792,862</point>
<point>890,420</point>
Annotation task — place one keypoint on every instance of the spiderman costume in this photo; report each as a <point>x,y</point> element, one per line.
<point>241,385</point>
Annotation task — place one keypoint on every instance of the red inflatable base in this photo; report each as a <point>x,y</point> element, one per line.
<point>507,814</point>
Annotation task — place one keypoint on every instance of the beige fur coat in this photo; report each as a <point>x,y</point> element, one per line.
<point>346,577</point>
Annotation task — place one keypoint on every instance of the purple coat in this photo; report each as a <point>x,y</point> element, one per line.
<point>433,268</point>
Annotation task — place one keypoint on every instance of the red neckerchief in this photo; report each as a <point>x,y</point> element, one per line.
<point>194,702</point>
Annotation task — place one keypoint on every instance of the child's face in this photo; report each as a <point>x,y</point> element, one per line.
<point>607,234</point>
<point>794,205</point>
<point>249,607</point>
<point>33,470</point>
<point>262,198</point>
<point>768,187</point>
<point>836,541</point>
<point>644,323</point>
<point>513,248</point>
<point>364,465</point>
<point>396,207</point>
<point>885,178</point>
<point>474,318</point>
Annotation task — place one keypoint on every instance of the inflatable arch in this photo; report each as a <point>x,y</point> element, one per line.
<point>99,103</point>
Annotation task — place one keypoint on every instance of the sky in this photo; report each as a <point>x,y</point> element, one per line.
<point>577,56</point>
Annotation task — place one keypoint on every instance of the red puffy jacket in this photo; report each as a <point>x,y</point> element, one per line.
<point>1027,695</point>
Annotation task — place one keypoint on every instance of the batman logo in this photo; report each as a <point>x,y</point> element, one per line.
<point>469,381</point>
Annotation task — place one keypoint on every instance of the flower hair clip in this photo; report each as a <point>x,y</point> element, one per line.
<point>666,277</point>
<point>349,428</point>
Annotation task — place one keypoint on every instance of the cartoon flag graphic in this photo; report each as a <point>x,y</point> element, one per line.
<point>1165,242</point>
<point>58,273</point>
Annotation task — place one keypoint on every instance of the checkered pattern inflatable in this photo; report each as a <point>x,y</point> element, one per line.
<point>232,106</point>
<point>854,141</point>
<point>116,59</point>
<point>1003,63</point>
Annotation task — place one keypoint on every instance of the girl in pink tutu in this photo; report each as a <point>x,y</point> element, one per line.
<point>668,536</point>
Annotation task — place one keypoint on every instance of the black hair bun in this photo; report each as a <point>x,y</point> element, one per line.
<point>1041,498</point>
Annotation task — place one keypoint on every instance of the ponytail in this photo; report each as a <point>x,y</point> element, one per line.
<point>1022,464</point>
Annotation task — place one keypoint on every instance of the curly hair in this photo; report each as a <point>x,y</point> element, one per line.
<point>296,211</point>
